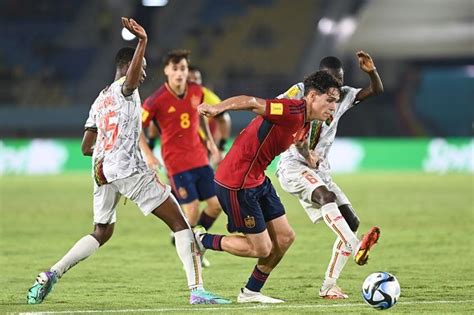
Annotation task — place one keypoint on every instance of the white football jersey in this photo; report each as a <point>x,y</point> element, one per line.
<point>322,133</point>
<point>118,122</point>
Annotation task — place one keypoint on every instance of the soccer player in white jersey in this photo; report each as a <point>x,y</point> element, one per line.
<point>111,136</point>
<point>304,171</point>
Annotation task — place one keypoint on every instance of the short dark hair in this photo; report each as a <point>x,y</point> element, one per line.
<point>193,68</point>
<point>175,56</point>
<point>124,56</point>
<point>330,62</point>
<point>321,81</point>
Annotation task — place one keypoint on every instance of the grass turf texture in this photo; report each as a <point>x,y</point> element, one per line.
<point>426,223</point>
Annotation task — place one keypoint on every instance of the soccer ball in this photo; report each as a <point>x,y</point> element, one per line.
<point>381,290</point>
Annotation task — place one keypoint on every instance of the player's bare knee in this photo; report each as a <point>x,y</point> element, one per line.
<point>285,239</point>
<point>103,232</point>
<point>322,196</point>
<point>214,211</point>
<point>191,208</point>
<point>262,250</point>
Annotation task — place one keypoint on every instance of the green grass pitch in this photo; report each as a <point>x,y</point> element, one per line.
<point>426,241</point>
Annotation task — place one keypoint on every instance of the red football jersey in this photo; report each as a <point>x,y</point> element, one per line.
<point>282,124</point>
<point>178,121</point>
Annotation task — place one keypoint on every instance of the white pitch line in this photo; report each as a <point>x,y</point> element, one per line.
<point>231,308</point>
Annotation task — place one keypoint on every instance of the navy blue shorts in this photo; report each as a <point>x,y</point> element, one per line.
<point>197,183</point>
<point>248,210</point>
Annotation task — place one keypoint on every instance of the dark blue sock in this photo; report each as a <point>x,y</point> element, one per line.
<point>206,221</point>
<point>256,280</point>
<point>212,241</point>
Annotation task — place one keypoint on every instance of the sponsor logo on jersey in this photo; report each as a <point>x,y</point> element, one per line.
<point>249,222</point>
<point>276,109</point>
<point>171,109</point>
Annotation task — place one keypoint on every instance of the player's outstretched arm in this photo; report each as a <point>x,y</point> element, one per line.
<point>135,70</point>
<point>367,65</point>
<point>242,102</point>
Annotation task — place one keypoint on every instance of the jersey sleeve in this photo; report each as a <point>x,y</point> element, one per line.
<point>284,111</point>
<point>210,97</point>
<point>90,122</point>
<point>294,92</point>
<point>349,95</point>
<point>148,110</point>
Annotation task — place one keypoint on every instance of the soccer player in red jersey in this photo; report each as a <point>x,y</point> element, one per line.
<point>173,109</point>
<point>246,194</point>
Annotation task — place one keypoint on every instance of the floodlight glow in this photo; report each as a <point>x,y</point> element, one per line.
<point>126,35</point>
<point>154,3</point>
<point>346,27</point>
<point>325,25</point>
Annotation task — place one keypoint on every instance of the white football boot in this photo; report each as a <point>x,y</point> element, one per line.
<point>332,292</point>
<point>247,296</point>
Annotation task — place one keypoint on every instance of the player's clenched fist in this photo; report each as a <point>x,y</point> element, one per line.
<point>208,110</point>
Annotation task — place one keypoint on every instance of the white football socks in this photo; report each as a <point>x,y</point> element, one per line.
<point>339,258</point>
<point>336,222</point>
<point>191,259</point>
<point>83,248</point>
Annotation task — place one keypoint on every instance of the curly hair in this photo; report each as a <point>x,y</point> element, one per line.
<point>320,81</point>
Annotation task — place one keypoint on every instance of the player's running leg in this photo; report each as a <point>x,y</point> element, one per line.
<point>172,215</point>
<point>250,245</point>
<point>83,248</point>
<point>205,188</point>
<point>106,198</point>
<point>338,224</point>
<point>282,236</point>
<point>340,256</point>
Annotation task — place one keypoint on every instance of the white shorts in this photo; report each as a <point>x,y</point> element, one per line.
<point>144,189</point>
<point>299,180</point>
